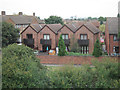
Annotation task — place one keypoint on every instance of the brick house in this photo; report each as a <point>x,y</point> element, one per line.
<point>20,21</point>
<point>111,36</point>
<point>87,34</point>
<point>30,35</point>
<point>48,35</point>
<point>67,34</point>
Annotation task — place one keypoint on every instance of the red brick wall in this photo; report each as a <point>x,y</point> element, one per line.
<point>65,30</point>
<point>30,31</point>
<point>46,30</point>
<point>112,43</point>
<point>90,35</point>
<point>68,59</point>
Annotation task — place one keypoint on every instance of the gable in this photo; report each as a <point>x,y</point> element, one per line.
<point>46,29</point>
<point>83,29</point>
<point>65,29</point>
<point>28,29</point>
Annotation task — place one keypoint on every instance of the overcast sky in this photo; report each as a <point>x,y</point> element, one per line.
<point>62,8</point>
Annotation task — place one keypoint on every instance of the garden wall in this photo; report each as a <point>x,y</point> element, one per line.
<point>47,59</point>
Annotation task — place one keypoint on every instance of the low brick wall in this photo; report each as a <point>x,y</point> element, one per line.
<point>67,59</point>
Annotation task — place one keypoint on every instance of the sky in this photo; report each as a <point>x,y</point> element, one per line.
<point>62,8</point>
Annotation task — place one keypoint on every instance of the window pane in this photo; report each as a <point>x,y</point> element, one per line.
<point>48,37</point>
<point>44,36</point>
<point>66,36</point>
<point>29,36</point>
<point>63,36</point>
<point>85,37</point>
<point>81,37</point>
<point>115,37</point>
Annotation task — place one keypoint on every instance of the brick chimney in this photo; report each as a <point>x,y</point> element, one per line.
<point>20,13</point>
<point>33,14</point>
<point>3,13</point>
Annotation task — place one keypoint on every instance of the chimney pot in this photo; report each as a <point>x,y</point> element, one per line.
<point>33,14</point>
<point>20,13</point>
<point>3,13</point>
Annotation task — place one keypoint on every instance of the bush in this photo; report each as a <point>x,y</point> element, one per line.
<point>21,68</point>
<point>104,74</point>
<point>97,52</point>
<point>62,47</point>
<point>10,34</point>
<point>77,54</point>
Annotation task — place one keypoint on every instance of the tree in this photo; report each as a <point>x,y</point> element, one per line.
<point>101,19</point>
<point>74,47</point>
<point>62,47</point>
<point>10,34</point>
<point>21,68</point>
<point>102,28</point>
<point>118,15</point>
<point>54,20</point>
<point>97,52</point>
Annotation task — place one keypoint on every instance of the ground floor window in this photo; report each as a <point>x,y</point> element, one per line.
<point>84,49</point>
<point>116,49</point>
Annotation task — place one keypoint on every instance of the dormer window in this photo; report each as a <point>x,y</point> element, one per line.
<point>83,36</point>
<point>65,36</point>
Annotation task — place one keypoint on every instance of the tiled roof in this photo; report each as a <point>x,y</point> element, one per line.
<point>37,27</point>
<point>74,26</point>
<point>92,27</point>
<point>21,19</point>
<point>54,27</point>
<point>112,25</point>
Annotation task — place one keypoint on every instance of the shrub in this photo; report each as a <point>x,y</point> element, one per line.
<point>97,49</point>
<point>104,74</point>
<point>21,68</point>
<point>10,34</point>
<point>62,47</point>
<point>77,54</point>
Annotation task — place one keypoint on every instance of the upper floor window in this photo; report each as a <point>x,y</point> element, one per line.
<point>83,36</point>
<point>17,26</point>
<point>115,37</point>
<point>29,36</point>
<point>65,36</point>
<point>46,36</point>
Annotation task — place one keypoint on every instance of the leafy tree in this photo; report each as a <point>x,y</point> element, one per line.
<point>54,20</point>
<point>21,68</point>
<point>62,47</point>
<point>102,28</point>
<point>10,34</point>
<point>89,18</point>
<point>97,49</point>
<point>101,19</point>
<point>74,47</point>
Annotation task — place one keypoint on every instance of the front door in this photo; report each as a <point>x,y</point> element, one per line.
<point>46,48</point>
<point>117,49</point>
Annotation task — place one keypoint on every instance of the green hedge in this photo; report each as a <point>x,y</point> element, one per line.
<point>21,68</point>
<point>77,54</point>
<point>103,75</point>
